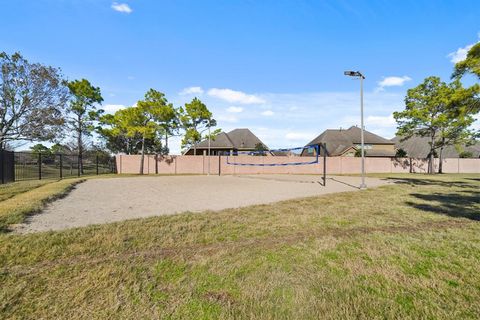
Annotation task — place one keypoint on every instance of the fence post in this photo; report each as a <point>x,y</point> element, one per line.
<point>2,166</point>
<point>324,163</point>
<point>78,165</point>
<point>96,160</point>
<point>61,166</point>
<point>39,166</point>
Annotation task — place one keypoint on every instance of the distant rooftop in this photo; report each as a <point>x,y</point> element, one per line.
<point>339,140</point>
<point>418,147</point>
<point>239,139</point>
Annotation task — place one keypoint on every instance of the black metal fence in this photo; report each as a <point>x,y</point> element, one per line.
<point>20,166</point>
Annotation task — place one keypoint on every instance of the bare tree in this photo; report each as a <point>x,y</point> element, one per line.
<point>32,101</point>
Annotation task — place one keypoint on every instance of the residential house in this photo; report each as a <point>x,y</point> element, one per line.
<point>419,147</point>
<point>238,140</point>
<point>346,142</point>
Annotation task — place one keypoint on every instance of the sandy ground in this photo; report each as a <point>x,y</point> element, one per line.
<point>114,199</point>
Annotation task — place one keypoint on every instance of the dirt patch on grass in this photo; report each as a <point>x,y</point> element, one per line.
<point>109,200</point>
<point>14,210</point>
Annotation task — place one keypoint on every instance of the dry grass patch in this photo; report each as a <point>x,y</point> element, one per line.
<point>10,190</point>
<point>391,252</point>
<point>27,197</point>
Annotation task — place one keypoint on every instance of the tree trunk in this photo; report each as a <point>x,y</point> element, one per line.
<point>431,157</point>
<point>166,143</point>
<point>195,143</point>
<point>80,145</point>
<point>143,154</point>
<point>440,157</point>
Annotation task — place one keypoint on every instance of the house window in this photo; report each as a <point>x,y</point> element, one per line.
<point>366,146</point>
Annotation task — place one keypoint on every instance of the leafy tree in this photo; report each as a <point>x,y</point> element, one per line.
<point>144,122</point>
<point>114,131</point>
<point>466,154</point>
<point>439,111</point>
<point>195,119</point>
<point>84,98</point>
<point>400,153</point>
<point>60,148</point>
<point>470,65</point>
<point>165,115</point>
<point>32,100</point>
<point>98,151</point>
<point>137,122</point>
<point>40,148</point>
<point>260,149</point>
<point>358,152</point>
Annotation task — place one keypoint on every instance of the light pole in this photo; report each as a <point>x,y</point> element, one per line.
<point>209,137</point>
<point>358,74</point>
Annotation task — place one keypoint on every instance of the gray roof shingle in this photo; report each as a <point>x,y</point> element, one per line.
<point>338,141</point>
<point>221,141</point>
<point>418,147</point>
<point>236,139</point>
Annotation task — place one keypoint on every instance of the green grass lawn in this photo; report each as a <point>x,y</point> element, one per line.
<point>407,250</point>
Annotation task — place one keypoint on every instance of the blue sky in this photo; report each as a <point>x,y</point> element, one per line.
<point>275,67</point>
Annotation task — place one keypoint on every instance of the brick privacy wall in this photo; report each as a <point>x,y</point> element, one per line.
<point>335,165</point>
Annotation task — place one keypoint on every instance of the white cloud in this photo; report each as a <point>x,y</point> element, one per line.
<point>300,136</point>
<point>233,109</point>
<point>392,82</point>
<point>380,121</point>
<point>267,113</point>
<point>476,124</point>
<point>461,53</point>
<point>233,96</point>
<point>112,108</point>
<point>121,7</point>
<point>227,118</point>
<point>131,78</point>
<point>191,90</point>
<point>316,112</point>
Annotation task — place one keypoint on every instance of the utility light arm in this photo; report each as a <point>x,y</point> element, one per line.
<point>354,74</point>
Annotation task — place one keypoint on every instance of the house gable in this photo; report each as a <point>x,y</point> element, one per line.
<point>237,139</point>
<point>338,142</point>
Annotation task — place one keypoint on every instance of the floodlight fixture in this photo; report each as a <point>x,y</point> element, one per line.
<point>354,74</point>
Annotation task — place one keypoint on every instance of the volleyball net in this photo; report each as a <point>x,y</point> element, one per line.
<point>313,154</point>
<point>307,150</point>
